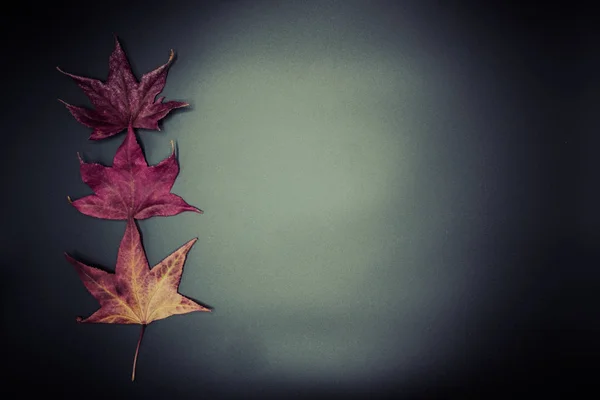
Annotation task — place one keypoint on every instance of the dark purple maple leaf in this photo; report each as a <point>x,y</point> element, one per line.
<point>122,100</point>
<point>131,188</point>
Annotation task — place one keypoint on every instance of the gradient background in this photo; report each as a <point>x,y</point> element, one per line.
<point>399,198</point>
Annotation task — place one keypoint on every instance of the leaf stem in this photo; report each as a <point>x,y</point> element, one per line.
<point>137,350</point>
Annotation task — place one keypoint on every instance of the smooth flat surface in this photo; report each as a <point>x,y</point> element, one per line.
<point>393,197</point>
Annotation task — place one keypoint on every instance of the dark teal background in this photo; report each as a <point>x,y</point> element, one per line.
<point>399,198</point>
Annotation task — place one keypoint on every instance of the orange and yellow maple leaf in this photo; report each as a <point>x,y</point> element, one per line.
<point>134,293</point>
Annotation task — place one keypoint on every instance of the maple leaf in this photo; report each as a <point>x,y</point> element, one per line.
<point>134,293</point>
<point>122,100</point>
<point>131,188</point>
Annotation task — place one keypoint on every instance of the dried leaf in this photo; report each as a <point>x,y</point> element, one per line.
<point>122,100</point>
<point>131,188</point>
<point>134,293</point>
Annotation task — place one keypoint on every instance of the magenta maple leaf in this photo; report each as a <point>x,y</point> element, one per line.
<point>131,188</point>
<point>122,101</point>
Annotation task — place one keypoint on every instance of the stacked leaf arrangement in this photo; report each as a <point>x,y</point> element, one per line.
<point>131,190</point>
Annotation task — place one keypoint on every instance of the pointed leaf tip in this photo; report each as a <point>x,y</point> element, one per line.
<point>59,69</point>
